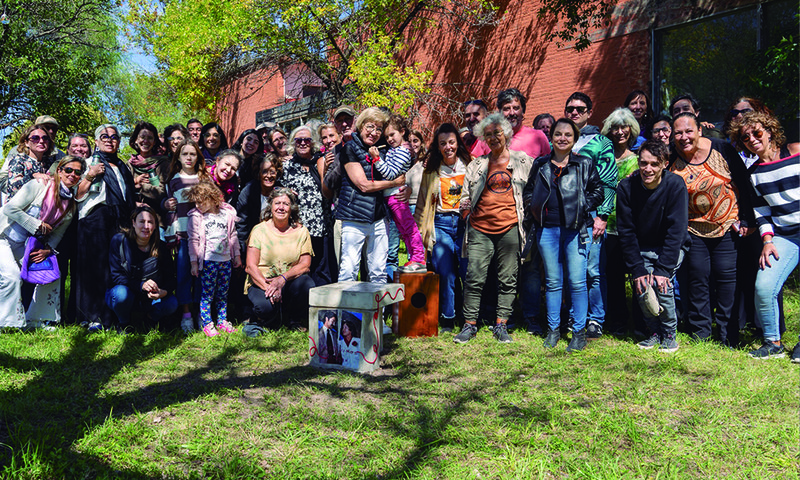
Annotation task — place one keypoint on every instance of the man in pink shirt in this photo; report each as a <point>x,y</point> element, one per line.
<point>474,112</point>
<point>511,103</point>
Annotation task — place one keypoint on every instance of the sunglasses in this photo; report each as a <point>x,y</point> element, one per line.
<point>70,171</point>
<point>736,113</point>
<point>39,138</point>
<point>300,140</point>
<point>753,135</point>
<point>570,109</point>
<point>114,138</point>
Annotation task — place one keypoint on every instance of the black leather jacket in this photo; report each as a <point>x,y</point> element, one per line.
<point>580,190</point>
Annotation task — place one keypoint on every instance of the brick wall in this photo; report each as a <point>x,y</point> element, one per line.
<point>244,97</point>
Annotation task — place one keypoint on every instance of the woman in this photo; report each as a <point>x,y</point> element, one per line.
<point>775,178</point>
<point>278,261</point>
<point>622,128</point>
<point>173,136</point>
<point>142,271</point>
<point>279,142</point>
<point>638,102</point>
<point>563,187</point>
<point>438,216</point>
<point>33,149</point>
<point>255,197</point>
<point>414,174</point>
<point>213,141</point>
<point>223,174</point>
<point>350,343</point>
<point>491,203</point>
<point>43,209</point>
<point>719,207</point>
<point>662,129</point>
<point>361,207</point>
<point>79,146</point>
<point>736,111</point>
<point>544,122</point>
<point>251,148</point>
<point>106,197</point>
<point>300,174</point>
<point>150,171</point>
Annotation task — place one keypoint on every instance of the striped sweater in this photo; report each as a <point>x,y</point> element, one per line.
<point>777,202</point>
<point>178,220</point>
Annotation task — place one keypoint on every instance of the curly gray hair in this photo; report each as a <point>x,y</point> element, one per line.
<point>494,119</point>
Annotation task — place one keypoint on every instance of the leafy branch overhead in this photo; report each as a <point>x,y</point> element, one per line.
<point>576,20</point>
<point>347,46</point>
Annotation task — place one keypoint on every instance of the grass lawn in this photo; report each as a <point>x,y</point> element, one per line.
<point>165,406</point>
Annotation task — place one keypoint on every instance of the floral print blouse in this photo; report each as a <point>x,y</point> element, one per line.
<point>21,168</point>
<point>314,211</point>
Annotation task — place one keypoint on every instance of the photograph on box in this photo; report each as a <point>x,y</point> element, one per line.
<point>328,342</point>
<point>350,339</point>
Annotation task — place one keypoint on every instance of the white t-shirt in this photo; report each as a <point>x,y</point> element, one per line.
<point>216,229</point>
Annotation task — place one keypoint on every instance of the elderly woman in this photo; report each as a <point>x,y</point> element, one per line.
<point>43,209</point>
<point>622,128</point>
<point>223,174</point>
<point>150,171</point>
<point>106,197</point>
<point>491,203</point>
<point>301,175</point>
<point>563,187</point>
<point>775,178</point>
<point>33,149</point>
<point>438,213</point>
<point>278,260</point>
<point>142,271</point>
<point>213,141</point>
<point>251,147</point>
<point>719,207</point>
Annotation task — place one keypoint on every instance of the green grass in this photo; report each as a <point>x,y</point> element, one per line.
<point>165,406</point>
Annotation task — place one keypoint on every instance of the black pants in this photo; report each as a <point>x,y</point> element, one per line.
<point>324,268</point>
<point>92,277</point>
<point>294,303</point>
<point>710,273</point>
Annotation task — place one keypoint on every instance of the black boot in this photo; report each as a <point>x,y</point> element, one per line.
<point>578,341</point>
<point>551,340</point>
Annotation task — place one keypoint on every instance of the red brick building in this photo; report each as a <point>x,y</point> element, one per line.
<point>665,47</point>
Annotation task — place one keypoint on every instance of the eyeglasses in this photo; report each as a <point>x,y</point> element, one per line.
<point>735,113</point>
<point>495,134</point>
<point>752,135</point>
<point>370,128</point>
<point>666,130</point>
<point>70,171</point>
<point>570,109</point>
<point>105,137</point>
<point>299,140</point>
<point>39,138</point>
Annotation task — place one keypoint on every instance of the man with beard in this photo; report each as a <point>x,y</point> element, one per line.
<point>474,112</point>
<point>511,103</point>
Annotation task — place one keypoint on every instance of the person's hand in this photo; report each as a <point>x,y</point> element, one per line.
<point>768,250</point>
<point>374,153</point>
<point>42,178</point>
<point>399,181</point>
<point>150,286</point>
<point>641,283</point>
<point>329,157</point>
<point>138,180</point>
<point>237,261</point>
<point>159,293</point>
<point>38,256</point>
<point>403,194</point>
<point>94,171</point>
<point>599,228</point>
<point>465,207</point>
<point>195,269</point>
<point>707,125</point>
<point>274,288</point>
<point>44,229</point>
<point>171,204</point>
<point>662,283</point>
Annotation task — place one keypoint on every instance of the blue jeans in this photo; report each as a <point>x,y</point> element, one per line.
<point>596,278</point>
<point>394,249</point>
<point>561,246</point>
<point>447,261</point>
<point>121,299</point>
<point>667,322</point>
<point>770,280</point>
<point>188,288</point>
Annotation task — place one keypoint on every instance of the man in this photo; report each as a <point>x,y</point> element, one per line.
<point>474,112</point>
<point>600,149</point>
<point>328,341</point>
<point>263,129</point>
<point>511,103</point>
<point>687,103</point>
<point>195,126</point>
<point>343,118</point>
<point>652,222</point>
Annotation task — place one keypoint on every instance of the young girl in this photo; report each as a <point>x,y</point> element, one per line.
<point>398,160</point>
<point>213,244</point>
<point>188,169</point>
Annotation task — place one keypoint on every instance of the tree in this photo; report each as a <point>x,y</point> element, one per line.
<point>348,46</point>
<point>52,54</point>
<point>576,19</point>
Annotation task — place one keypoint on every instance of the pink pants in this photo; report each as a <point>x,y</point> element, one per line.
<point>407,228</point>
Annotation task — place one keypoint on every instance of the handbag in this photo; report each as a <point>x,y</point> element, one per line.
<point>40,273</point>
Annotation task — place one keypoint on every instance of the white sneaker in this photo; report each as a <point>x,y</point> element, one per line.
<point>187,325</point>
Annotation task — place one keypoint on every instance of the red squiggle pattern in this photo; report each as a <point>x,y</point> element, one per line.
<point>312,351</point>
<point>376,347</point>
<point>393,297</point>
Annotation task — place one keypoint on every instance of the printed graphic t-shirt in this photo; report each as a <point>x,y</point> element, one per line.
<point>451,182</point>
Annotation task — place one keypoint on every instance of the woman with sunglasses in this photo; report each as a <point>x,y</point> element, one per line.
<point>719,212</point>
<point>34,147</point>
<point>106,197</point>
<point>43,209</point>
<point>301,175</point>
<point>776,178</point>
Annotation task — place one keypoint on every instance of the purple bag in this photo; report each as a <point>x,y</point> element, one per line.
<point>40,273</point>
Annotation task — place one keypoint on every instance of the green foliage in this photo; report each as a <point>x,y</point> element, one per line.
<point>776,78</point>
<point>576,19</point>
<point>349,47</point>
<point>52,53</point>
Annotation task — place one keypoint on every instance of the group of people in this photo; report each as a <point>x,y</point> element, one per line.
<point>214,232</point>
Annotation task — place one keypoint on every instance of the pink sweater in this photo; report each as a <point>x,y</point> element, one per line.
<point>197,234</point>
